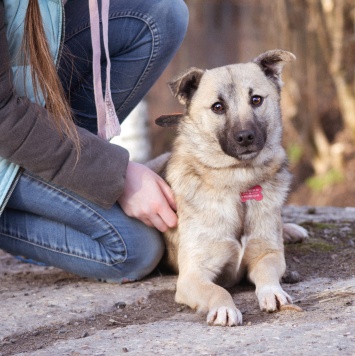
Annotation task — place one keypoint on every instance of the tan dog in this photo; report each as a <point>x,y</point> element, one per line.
<point>229,175</point>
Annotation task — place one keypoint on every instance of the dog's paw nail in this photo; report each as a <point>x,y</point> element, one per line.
<point>272,299</point>
<point>224,316</point>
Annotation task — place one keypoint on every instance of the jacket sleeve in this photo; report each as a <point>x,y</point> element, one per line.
<point>29,139</point>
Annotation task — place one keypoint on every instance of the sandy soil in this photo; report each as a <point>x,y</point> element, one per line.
<point>317,277</point>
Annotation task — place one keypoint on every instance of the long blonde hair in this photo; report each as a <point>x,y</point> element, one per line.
<point>44,73</point>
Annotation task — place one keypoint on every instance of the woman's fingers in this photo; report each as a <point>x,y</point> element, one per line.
<point>148,198</point>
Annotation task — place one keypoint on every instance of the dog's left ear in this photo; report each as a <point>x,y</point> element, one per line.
<point>169,120</point>
<point>272,62</point>
<point>185,85</point>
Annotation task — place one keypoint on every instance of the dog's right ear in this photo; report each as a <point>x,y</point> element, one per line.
<point>185,85</point>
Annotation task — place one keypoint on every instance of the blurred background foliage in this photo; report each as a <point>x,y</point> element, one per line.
<point>318,98</point>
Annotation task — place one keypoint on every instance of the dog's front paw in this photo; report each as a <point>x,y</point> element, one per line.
<point>293,233</point>
<point>224,316</point>
<point>271,298</point>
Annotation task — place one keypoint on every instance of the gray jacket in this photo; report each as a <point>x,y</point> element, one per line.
<point>27,137</point>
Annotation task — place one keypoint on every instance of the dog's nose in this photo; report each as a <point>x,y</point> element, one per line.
<point>245,137</point>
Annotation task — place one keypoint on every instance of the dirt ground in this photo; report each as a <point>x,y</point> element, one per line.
<point>327,257</point>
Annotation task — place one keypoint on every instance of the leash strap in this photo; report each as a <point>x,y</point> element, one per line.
<point>107,120</point>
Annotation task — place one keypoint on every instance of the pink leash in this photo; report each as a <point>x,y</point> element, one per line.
<point>107,121</point>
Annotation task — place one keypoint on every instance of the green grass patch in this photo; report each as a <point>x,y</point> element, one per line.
<point>311,245</point>
<point>319,225</point>
<point>318,183</point>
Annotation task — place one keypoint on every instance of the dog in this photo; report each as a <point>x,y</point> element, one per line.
<point>229,173</point>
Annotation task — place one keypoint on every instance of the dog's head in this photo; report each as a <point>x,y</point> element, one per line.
<point>236,106</point>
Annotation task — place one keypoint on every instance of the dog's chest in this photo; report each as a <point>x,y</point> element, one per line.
<point>221,198</point>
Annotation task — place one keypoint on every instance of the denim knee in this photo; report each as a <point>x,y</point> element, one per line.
<point>172,19</point>
<point>144,258</point>
<point>143,254</point>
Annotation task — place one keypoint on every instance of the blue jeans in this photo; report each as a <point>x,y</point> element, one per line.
<point>143,37</point>
<point>50,224</point>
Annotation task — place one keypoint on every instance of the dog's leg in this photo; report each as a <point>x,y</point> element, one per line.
<point>198,292</point>
<point>265,269</point>
<point>266,275</point>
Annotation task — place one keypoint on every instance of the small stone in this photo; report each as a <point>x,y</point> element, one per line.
<point>85,334</point>
<point>296,259</point>
<point>311,211</point>
<point>124,349</point>
<point>291,277</point>
<point>120,305</point>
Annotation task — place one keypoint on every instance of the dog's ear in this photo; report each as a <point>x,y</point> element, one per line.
<point>185,85</point>
<point>272,62</point>
<point>169,120</point>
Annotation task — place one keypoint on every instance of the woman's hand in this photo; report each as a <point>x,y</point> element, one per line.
<point>147,197</point>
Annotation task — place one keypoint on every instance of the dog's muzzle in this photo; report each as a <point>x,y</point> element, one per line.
<point>242,144</point>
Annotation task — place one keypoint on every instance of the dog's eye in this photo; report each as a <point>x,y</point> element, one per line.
<point>218,108</point>
<point>256,100</point>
